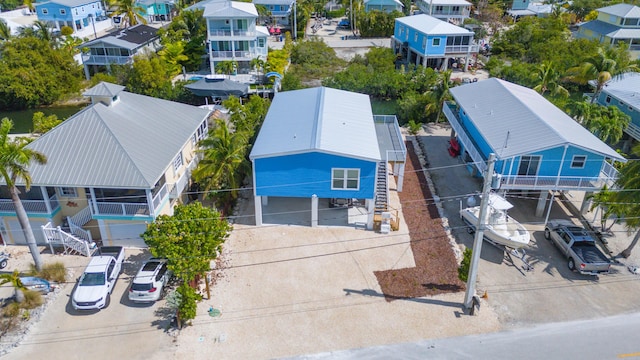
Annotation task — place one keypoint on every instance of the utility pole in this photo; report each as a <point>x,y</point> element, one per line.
<point>295,20</point>
<point>479,238</point>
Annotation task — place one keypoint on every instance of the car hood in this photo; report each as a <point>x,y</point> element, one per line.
<point>89,293</point>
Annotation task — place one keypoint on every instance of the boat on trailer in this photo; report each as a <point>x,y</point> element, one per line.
<point>501,228</point>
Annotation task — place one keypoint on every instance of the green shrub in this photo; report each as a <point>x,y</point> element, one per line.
<point>32,299</point>
<point>66,30</point>
<point>463,270</point>
<point>53,272</point>
<point>414,127</point>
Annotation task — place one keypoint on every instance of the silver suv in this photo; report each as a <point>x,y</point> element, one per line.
<point>151,279</point>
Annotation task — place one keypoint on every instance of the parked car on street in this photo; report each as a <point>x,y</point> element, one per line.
<point>578,246</point>
<point>150,280</point>
<point>344,24</point>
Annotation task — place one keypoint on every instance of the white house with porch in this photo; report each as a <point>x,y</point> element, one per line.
<point>111,168</point>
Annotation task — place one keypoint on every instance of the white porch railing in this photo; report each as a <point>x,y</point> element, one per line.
<point>162,193</point>
<point>106,59</point>
<point>124,209</point>
<point>232,54</point>
<point>56,236</point>
<point>633,130</point>
<point>31,206</point>
<point>461,49</point>
<point>229,33</point>
<point>178,187</point>
<point>524,182</point>
<point>468,145</point>
<point>77,221</point>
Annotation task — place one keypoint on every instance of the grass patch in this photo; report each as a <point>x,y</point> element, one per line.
<point>55,272</point>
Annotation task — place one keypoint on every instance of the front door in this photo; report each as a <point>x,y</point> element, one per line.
<point>529,165</point>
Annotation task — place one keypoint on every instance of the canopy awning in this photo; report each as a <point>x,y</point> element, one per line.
<point>218,88</point>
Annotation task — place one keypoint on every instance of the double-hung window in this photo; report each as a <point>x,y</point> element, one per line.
<point>177,162</point>
<point>578,161</point>
<point>67,192</point>
<point>345,179</point>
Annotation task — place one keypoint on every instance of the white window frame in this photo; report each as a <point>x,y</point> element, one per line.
<point>345,179</point>
<point>68,192</point>
<point>578,161</point>
<point>607,99</point>
<point>45,11</point>
<point>177,162</point>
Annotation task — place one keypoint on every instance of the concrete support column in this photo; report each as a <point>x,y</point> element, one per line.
<point>586,202</point>
<point>446,64</point>
<point>542,201</point>
<point>86,72</point>
<point>370,204</point>
<point>400,177</point>
<point>314,210</point>
<point>466,63</point>
<point>104,235</point>
<point>257,204</point>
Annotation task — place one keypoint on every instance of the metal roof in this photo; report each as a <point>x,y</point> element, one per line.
<point>229,9</point>
<point>318,119</point>
<point>449,2</point>
<point>129,38</point>
<point>626,88</point>
<point>610,30</point>
<point>68,3</point>
<point>622,10</point>
<point>129,144</point>
<point>273,2</point>
<point>515,120</point>
<point>376,2</point>
<point>104,89</point>
<point>429,25</point>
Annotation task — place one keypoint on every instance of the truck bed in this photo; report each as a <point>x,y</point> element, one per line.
<point>109,251</point>
<point>590,254</point>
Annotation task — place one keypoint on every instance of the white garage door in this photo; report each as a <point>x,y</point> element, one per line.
<point>18,235</point>
<point>127,235</point>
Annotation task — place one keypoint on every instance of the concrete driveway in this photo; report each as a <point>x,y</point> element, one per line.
<point>123,330</point>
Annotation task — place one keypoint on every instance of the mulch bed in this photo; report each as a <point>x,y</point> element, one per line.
<point>436,270</point>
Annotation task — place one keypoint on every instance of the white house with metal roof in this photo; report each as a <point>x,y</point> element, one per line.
<point>324,143</point>
<point>623,92</point>
<point>111,168</point>
<point>279,10</point>
<point>619,23</point>
<point>446,10</point>
<point>538,147</point>
<point>118,48</point>
<point>430,42</point>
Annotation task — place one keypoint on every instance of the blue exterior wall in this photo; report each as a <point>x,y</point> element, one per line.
<point>634,114</point>
<point>310,173</point>
<point>417,43</point>
<point>71,14</point>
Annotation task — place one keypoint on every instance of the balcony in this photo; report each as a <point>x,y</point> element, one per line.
<point>88,59</point>
<point>238,54</point>
<point>178,187</point>
<point>119,209</point>
<point>31,206</point>
<point>461,49</point>
<point>230,33</point>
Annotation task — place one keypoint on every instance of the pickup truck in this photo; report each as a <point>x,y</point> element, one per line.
<point>96,283</point>
<point>578,246</point>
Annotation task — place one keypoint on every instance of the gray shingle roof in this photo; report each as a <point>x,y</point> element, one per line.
<point>318,119</point>
<point>622,10</point>
<point>429,25</point>
<point>626,88</point>
<point>520,117</point>
<point>127,145</point>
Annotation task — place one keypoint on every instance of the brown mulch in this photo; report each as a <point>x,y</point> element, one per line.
<point>436,270</point>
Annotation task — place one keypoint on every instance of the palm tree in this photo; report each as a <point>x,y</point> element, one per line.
<point>440,93</point>
<point>548,80</point>
<point>18,287</point>
<point>223,164</point>
<point>29,4</point>
<point>601,68</point>
<point>627,201</point>
<point>14,161</point>
<point>610,124</point>
<point>5,30</point>
<point>131,12</point>
<point>258,64</point>
<point>604,200</point>
<point>226,67</point>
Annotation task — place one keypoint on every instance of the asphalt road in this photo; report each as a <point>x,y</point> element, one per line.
<point>606,338</point>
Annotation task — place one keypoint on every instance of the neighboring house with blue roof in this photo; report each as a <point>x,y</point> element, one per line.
<point>323,143</point>
<point>430,42</point>
<point>118,48</point>
<point>157,10</point>
<point>623,92</point>
<point>383,5</point>
<point>233,33</point>
<point>538,146</point>
<point>619,23</point>
<point>446,10</point>
<point>111,168</point>
<point>280,10</point>
<point>77,14</point>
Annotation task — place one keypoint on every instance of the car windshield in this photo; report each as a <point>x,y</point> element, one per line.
<point>92,279</point>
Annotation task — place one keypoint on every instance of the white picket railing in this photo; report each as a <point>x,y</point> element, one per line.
<point>77,221</point>
<point>56,236</point>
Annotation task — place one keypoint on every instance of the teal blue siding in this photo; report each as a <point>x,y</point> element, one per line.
<point>633,114</point>
<point>303,175</point>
